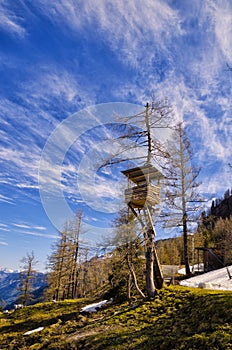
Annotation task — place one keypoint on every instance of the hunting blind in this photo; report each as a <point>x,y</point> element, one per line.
<point>143,194</point>
<point>147,189</point>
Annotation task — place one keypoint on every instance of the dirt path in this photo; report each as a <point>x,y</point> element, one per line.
<point>84,333</point>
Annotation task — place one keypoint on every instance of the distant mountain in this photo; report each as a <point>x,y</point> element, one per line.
<point>9,283</point>
<point>2,269</point>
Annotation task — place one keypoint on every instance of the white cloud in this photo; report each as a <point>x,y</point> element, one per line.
<point>22,225</point>
<point>145,22</point>
<point>4,229</point>
<point>51,81</point>
<point>125,26</point>
<point>38,234</point>
<point>29,226</point>
<point>3,225</point>
<point>40,228</point>
<point>26,186</point>
<point>3,243</point>
<point>222,14</point>
<point>10,22</point>
<point>6,199</point>
<point>25,159</point>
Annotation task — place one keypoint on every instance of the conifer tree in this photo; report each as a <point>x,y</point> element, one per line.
<point>63,262</point>
<point>221,237</point>
<point>127,252</point>
<point>183,200</point>
<point>27,276</point>
<point>76,231</point>
<point>57,267</point>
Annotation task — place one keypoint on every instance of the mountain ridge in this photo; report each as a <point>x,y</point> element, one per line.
<point>9,288</point>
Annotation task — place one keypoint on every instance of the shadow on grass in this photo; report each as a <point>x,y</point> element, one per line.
<point>32,324</point>
<point>176,319</point>
<point>202,322</point>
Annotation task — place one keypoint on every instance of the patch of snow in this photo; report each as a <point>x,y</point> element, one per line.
<point>217,280</point>
<point>195,268</point>
<point>39,329</point>
<point>93,307</point>
<point>205,285</point>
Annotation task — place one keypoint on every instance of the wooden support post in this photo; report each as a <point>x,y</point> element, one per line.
<point>135,214</point>
<point>150,220</point>
<point>230,277</point>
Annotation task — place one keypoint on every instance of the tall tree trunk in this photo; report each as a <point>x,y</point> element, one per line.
<point>150,285</point>
<point>76,251</point>
<point>129,286</point>
<point>27,277</point>
<point>61,265</point>
<point>183,197</point>
<point>26,284</point>
<point>185,238</point>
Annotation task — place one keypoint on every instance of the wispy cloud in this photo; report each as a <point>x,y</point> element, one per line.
<point>22,225</point>
<point>22,163</point>
<point>10,22</point>
<point>3,243</point>
<point>38,234</point>
<point>223,28</point>
<point>51,83</point>
<point>6,199</point>
<point>110,18</point>
<point>29,226</point>
<point>4,227</point>
<point>32,230</point>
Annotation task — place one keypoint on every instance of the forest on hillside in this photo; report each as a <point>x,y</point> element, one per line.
<point>74,273</point>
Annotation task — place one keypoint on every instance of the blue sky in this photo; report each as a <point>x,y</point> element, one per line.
<point>59,58</point>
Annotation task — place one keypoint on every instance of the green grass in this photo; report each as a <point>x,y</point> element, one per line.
<point>178,318</point>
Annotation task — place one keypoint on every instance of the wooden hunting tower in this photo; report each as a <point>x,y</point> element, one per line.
<point>143,194</point>
<point>147,189</point>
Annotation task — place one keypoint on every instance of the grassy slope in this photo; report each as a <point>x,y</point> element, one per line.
<point>178,318</point>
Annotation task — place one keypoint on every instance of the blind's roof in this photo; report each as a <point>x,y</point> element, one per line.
<point>143,173</point>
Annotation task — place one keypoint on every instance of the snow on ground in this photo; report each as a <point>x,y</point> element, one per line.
<point>93,307</point>
<point>197,267</point>
<point>39,329</point>
<point>217,279</point>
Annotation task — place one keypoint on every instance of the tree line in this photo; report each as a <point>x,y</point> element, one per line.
<point>122,270</point>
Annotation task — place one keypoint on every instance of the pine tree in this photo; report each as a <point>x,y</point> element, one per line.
<point>27,276</point>
<point>56,266</point>
<point>222,239</point>
<point>183,200</point>
<point>127,253</point>
<point>63,262</point>
<point>75,252</point>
